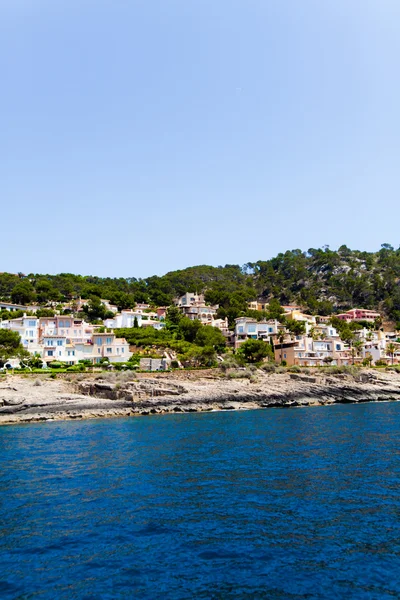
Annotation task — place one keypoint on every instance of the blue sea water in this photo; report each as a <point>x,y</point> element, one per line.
<point>299,503</point>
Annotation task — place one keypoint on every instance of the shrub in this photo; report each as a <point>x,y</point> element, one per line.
<point>280,370</point>
<point>37,383</point>
<point>269,367</point>
<point>239,374</point>
<point>294,369</point>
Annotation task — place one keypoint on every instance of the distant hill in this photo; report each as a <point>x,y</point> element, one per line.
<point>321,280</point>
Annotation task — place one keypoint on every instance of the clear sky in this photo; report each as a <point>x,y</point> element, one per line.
<point>142,136</point>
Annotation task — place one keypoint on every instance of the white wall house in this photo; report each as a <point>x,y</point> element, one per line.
<point>251,329</point>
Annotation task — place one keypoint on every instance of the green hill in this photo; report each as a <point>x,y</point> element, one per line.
<point>323,281</point>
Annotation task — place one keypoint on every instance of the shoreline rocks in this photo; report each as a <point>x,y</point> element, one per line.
<point>23,402</point>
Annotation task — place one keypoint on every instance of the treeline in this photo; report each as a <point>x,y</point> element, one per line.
<point>322,280</point>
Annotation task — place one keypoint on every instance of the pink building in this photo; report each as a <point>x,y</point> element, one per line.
<point>359,314</point>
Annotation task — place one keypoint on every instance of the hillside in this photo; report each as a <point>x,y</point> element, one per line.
<point>321,280</point>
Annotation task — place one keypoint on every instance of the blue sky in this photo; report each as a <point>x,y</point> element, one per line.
<point>142,136</point>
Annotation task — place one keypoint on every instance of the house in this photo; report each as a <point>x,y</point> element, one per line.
<point>12,307</point>
<point>26,327</point>
<point>194,307</point>
<point>297,315</point>
<point>126,319</point>
<point>308,352</point>
<point>247,328</point>
<point>359,314</point>
<point>261,304</point>
<point>75,330</point>
<point>107,345</point>
<point>153,364</point>
<point>57,348</point>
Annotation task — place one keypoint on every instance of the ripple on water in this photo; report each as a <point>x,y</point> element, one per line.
<point>253,504</point>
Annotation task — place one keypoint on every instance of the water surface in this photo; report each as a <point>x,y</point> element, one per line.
<point>299,503</point>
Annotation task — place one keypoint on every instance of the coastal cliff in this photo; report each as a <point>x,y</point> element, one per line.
<point>25,399</point>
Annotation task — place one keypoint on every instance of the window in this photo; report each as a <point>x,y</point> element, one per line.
<point>59,342</point>
<point>67,323</point>
<point>59,353</point>
<point>337,346</point>
<point>99,341</point>
<point>122,350</point>
<point>252,328</point>
<point>108,341</point>
<point>109,350</point>
<point>31,323</point>
<point>61,323</point>
<point>50,352</point>
<point>240,329</point>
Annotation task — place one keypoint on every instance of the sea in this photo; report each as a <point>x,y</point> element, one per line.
<point>263,504</point>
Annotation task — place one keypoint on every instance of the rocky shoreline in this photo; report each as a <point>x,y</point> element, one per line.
<point>26,399</point>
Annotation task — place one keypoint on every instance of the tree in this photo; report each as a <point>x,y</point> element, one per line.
<point>391,349</point>
<point>173,317</point>
<point>210,336</point>
<point>23,293</point>
<point>122,300</point>
<point>275,309</point>
<point>96,311</point>
<point>10,346</point>
<point>255,350</point>
<point>327,360</point>
<point>367,360</point>
<point>200,357</point>
<point>295,327</point>
<point>281,338</point>
<point>135,323</point>
<point>188,329</point>
<point>46,291</point>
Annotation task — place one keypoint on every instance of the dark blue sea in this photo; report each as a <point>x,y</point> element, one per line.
<point>295,503</point>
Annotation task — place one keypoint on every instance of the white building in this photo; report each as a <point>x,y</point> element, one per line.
<point>251,329</point>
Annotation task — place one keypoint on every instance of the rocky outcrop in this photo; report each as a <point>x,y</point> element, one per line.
<point>22,401</point>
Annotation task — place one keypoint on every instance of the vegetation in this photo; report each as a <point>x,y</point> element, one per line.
<point>10,346</point>
<point>323,281</point>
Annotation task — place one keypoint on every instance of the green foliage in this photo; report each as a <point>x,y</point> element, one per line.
<point>199,357</point>
<point>188,329</point>
<point>210,336</point>
<point>10,346</point>
<point>96,311</point>
<point>255,351</point>
<point>295,327</point>
<point>23,293</point>
<point>320,280</point>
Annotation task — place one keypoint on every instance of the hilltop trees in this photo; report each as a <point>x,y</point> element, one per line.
<point>321,280</point>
